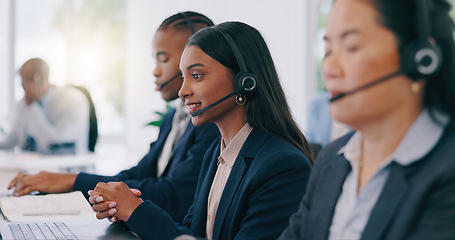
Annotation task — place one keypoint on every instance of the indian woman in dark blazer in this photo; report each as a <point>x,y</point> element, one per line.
<point>170,185</point>
<point>389,68</point>
<point>253,176</point>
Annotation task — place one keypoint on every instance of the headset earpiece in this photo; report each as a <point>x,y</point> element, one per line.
<point>421,58</point>
<point>245,83</point>
<point>420,61</point>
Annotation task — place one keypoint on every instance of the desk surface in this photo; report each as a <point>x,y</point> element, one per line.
<point>28,161</point>
<point>11,163</point>
<point>104,163</point>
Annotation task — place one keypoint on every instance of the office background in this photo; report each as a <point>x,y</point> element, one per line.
<point>105,45</point>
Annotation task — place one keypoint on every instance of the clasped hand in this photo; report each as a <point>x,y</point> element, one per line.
<point>114,200</point>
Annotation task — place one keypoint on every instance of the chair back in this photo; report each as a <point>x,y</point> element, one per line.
<point>93,126</point>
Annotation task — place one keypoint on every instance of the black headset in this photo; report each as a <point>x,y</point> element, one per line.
<point>421,58</point>
<point>244,82</point>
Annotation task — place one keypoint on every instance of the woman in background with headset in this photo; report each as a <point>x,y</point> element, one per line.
<point>253,176</point>
<point>393,178</point>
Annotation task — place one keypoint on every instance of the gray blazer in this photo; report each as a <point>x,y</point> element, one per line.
<point>417,202</point>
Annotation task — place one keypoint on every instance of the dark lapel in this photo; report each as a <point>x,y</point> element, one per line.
<point>387,204</point>
<point>327,192</point>
<point>178,150</point>
<point>198,226</point>
<point>243,161</point>
<point>165,129</point>
<point>185,136</point>
<point>157,146</point>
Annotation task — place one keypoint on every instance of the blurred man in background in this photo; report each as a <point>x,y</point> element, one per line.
<point>49,119</point>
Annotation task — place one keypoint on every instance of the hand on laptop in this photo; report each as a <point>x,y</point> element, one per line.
<point>114,200</point>
<point>45,182</point>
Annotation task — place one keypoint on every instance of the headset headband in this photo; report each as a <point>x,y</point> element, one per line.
<point>235,49</point>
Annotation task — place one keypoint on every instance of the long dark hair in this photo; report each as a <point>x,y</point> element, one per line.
<point>400,17</point>
<point>267,109</point>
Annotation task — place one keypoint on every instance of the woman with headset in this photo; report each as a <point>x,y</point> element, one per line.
<point>168,173</point>
<point>253,176</point>
<point>388,79</point>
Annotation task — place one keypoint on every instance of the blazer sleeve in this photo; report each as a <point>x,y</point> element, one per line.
<point>174,191</point>
<point>436,219</point>
<point>280,189</point>
<point>148,221</point>
<point>297,222</point>
<point>269,194</point>
<point>85,182</point>
<point>294,229</point>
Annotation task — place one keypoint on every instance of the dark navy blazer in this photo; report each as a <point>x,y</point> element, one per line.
<point>417,202</point>
<point>263,189</point>
<point>174,190</point>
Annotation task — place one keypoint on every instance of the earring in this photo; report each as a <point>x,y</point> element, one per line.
<point>415,87</point>
<point>240,99</point>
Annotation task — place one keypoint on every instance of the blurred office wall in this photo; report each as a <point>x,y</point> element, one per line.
<point>5,65</point>
<point>106,46</point>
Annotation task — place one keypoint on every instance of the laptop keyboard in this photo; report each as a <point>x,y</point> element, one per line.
<point>57,230</point>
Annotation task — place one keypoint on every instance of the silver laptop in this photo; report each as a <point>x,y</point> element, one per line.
<point>69,229</point>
